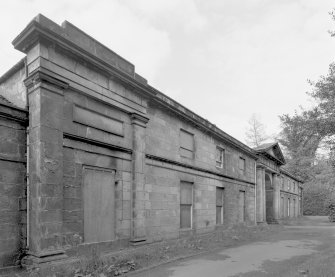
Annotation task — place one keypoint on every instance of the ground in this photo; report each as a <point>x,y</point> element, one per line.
<point>303,247</point>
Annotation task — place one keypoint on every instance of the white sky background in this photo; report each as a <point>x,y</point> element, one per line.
<point>223,59</point>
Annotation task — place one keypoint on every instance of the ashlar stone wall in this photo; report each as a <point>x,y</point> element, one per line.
<point>166,168</point>
<point>13,202</point>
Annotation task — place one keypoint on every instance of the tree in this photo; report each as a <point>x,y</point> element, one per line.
<point>301,137</point>
<point>255,132</point>
<point>300,142</point>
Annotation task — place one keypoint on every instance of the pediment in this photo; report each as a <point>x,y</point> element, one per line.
<point>271,151</point>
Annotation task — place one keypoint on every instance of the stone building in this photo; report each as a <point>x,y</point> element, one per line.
<point>114,162</point>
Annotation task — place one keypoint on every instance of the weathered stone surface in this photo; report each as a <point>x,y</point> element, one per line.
<point>13,202</point>
<point>90,111</point>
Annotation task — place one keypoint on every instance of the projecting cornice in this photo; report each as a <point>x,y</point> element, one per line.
<point>40,76</point>
<point>72,39</point>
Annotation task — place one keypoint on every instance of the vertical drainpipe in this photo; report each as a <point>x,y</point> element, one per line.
<point>27,164</point>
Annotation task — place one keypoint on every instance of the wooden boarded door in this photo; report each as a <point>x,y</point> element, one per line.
<point>241,206</point>
<point>99,205</point>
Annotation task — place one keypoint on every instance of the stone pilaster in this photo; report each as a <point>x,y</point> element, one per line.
<point>138,233</point>
<point>45,98</point>
<point>260,195</point>
<point>276,196</point>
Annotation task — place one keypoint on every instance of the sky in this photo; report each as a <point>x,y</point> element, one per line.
<point>223,59</point>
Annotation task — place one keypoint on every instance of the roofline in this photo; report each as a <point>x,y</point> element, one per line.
<point>42,27</point>
<point>16,67</point>
<point>285,172</point>
<point>202,122</point>
<point>268,156</point>
<point>264,151</point>
<point>271,145</point>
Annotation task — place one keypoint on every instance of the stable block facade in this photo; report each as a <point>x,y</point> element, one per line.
<point>102,159</point>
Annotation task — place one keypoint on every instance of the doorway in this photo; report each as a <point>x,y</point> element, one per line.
<point>99,205</point>
<point>269,197</point>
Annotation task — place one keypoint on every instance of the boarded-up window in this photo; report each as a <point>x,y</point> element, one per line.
<point>241,165</point>
<point>186,144</point>
<point>220,154</point>
<point>186,204</point>
<point>99,205</point>
<point>219,205</point>
<point>241,204</point>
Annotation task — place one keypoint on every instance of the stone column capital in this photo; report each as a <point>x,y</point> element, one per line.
<point>40,79</point>
<point>138,119</point>
<point>260,166</point>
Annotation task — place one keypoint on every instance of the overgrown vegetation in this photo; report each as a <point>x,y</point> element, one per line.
<point>302,137</point>
<point>135,258</point>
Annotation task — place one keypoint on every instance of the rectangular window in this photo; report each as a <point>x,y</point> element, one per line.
<point>282,207</point>
<point>241,204</point>
<point>219,156</point>
<point>241,165</point>
<point>288,206</point>
<point>288,185</point>
<point>186,205</point>
<point>186,144</point>
<point>219,205</point>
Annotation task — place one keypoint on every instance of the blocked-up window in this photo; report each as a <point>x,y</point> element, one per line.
<point>219,205</point>
<point>241,165</point>
<point>186,205</point>
<point>186,144</point>
<point>98,204</point>
<point>220,155</point>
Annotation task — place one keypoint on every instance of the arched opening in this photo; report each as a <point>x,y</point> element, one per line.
<point>268,181</point>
